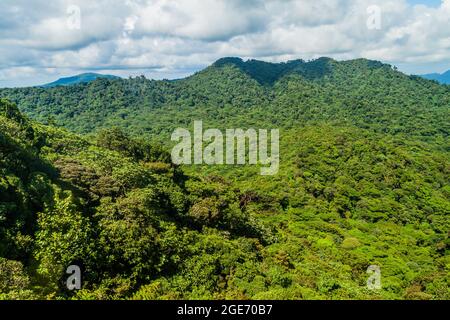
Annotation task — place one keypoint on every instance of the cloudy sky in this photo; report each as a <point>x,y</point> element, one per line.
<point>42,40</point>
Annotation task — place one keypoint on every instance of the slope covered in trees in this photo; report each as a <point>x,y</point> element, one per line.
<point>363,180</point>
<point>344,199</point>
<point>234,93</point>
<point>116,207</point>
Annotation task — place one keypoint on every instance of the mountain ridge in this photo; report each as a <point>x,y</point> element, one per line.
<point>77,79</point>
<point>443,78</point>
<point>363,181</point>
<point>267,73</point>
<point>234,92</point>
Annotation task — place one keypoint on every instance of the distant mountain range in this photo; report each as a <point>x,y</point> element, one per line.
<point>439,77</point>
<point>236,93</point>
<point>363,178</point>
<point>81,78</point>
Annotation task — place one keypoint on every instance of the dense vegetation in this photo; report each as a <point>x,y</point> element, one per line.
<point>118,208</point>
<point>364,180</point>
<point>233,93</point>
<point>443,78</point>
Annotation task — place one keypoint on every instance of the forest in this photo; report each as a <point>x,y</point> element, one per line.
<point>86,178</point>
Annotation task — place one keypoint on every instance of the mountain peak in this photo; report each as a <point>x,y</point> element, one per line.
<point>267,73</point>
<point>228,60</point>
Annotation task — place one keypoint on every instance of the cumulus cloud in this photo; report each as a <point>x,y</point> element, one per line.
<point>209,20</point>
<point>170,38</point>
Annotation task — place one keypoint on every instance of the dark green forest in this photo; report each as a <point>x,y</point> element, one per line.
<point>86,178</point>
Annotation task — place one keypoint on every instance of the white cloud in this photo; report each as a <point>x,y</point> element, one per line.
<point>173,37</point>
<point>209,20</point>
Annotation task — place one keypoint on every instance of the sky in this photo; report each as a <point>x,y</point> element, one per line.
<point>41,40</point>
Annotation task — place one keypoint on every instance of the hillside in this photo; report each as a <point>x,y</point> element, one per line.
<point>345,198</point>
<point>231,92</point>
<point>115,206</point>
<point>363,180</point>
<point>81,78</point>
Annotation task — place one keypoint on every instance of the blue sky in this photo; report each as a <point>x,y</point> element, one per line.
<point>430,3</point>
<point>43,40</point>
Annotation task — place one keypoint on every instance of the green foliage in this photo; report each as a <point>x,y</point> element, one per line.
<point>14,282</point>
<point>114,206</point>
<point>232,93</point>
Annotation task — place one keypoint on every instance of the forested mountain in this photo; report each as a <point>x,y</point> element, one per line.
<point>233,93</point>
<point>363,180</point>
<point>117,207</point>
<point>81,78</point>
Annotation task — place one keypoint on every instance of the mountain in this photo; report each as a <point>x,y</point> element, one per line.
<point>270,73</point>
<point>363,181</point>
<point>81,78</point>
<point>443,78</point>
<point>233,92</point>
<point>345,198</point>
